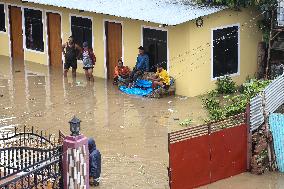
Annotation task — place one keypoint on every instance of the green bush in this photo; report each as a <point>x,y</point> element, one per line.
<point>186,122</point>
<point>232,104</point>
<point>225,85</point>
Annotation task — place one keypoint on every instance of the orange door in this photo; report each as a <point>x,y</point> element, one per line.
<point>114,46</point>
<point>16,33</point>
<point>54,39</point>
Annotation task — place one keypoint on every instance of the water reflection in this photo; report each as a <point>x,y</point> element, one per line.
<point>131,132</point>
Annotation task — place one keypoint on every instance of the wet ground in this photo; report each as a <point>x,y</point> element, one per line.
<point>131,132</point>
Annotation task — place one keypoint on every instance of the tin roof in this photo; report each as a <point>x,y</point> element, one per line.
<point>169,12</point>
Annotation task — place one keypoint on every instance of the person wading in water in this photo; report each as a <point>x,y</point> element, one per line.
<point>71,52</point>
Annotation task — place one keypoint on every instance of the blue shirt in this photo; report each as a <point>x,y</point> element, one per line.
<point>142,62</point>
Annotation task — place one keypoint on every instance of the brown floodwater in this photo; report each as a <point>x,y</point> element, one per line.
<point>131,132</point>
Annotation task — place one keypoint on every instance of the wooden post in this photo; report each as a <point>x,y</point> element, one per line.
<point>249,138</point>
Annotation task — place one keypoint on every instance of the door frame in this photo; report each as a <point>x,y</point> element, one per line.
<point>159,29</point>
<point>46,31</point>
<point>105,40</point>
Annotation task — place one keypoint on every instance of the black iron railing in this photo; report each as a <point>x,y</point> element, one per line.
<point>44,175</point>
<point>30,159</point>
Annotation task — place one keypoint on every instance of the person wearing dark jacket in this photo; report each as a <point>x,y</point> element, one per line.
<point>142,65</point>
<point>94,163</point>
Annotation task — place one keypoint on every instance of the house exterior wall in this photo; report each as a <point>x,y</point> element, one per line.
<point>4,39</point>
<point>190,50</point>
<point>188,46</point>
<point>131,31</point>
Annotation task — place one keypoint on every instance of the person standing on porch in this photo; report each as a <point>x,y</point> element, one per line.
<point>89,60</point>
<point>71,52</point>
<point>142,65</point>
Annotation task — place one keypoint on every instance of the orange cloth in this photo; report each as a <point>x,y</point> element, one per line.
<point>122,71</point>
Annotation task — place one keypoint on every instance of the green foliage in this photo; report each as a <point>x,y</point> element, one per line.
<point>253,87</point>
<point>221,107</point>
<point>186,122</point>
<point>225,85</point>
<point>265,6</point>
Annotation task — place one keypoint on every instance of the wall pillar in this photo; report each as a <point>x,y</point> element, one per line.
<point>76,162</point>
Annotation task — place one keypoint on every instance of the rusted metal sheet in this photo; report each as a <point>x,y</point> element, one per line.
<point>228,152</point>
<point>190,163</point>
<point>256,112</point>
<point>207,153</point>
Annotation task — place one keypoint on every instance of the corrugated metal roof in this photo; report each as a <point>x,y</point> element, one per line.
<point>169,12</point>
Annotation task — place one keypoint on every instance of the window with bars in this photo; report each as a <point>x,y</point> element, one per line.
<point>225,51</point>
<point>81,29</point>
<point>34,29</point>
<point>2,18</point>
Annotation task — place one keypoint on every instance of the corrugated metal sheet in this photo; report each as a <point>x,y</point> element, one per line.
<point>276,122</point>
<point>170,12</point>
<point>274,95</point>
<point>256,112</point>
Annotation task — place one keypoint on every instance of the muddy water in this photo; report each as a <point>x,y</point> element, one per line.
<point>131,132</point>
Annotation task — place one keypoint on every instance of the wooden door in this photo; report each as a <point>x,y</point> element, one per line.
<point>16,33</point>
<point>114,46</point>
<point>54,39</point>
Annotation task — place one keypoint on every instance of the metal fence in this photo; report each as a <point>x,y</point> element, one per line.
<point>203,154</point>
<point>266,102</point>
<point>30,159</point>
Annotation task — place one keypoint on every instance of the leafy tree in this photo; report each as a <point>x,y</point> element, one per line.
<point>267,7</point>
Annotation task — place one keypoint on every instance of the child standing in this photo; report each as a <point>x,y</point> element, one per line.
<point>89,60</point>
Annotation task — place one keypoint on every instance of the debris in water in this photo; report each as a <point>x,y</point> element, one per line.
<point>1,95</point>
<point>122,127</point>
<point>171,110</point>
<point>6,108</point>
<point>170,102</point>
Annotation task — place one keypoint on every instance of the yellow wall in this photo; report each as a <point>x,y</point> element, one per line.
<point>189,46</point>
<point>131,36</point>
<point>4,38</point>
<point>190,53</point>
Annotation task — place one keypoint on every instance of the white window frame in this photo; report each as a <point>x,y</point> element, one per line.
<point>5,15</point>
<point>82,16</point>
<point>280,8</point>
<point>212,51</point>
<point>159,29</point>
<point>105,45</point>
<point>24,29</point>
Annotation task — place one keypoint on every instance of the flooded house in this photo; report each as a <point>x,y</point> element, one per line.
<point>195,44</point>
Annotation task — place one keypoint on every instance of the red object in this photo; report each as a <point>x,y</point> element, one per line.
<point>228,152</point>
<point>205,159</point>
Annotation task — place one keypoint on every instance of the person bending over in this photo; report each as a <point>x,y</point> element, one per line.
<point>94,163</point>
